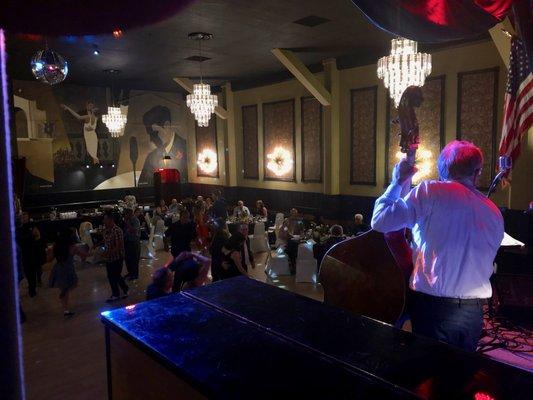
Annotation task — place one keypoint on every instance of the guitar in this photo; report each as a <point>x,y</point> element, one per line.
<point>368,274</point>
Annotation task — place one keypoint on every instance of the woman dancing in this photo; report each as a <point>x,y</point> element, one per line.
<point>89,128</point>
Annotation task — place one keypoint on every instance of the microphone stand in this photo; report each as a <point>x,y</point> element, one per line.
<point>505,164</point>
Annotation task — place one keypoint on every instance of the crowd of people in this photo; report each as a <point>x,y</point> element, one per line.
<point>196,235</point>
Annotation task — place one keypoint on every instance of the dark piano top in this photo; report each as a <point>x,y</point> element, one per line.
<point>240,338</point>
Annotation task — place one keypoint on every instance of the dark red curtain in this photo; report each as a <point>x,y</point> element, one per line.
<point>431,21</point>
<point>83,17</point>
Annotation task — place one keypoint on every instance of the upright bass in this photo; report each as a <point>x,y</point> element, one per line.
<point>368,274</point>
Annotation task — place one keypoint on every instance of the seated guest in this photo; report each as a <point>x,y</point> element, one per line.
<point>241,210</point>
<point>181,234</point>
<point>188,204</point>
<point>336,236</point>
<point>220,206</point>
<point>247,256</point>
<point>190,270</point>
<point>358,227</point>
<point>220,238</point>
<point>163,206</point>
<point>232,264</point>
<point>292,225</point>
<point>260,209</point>
<point>173,208</point>
<point>161,285</point>
<point>200,198</point>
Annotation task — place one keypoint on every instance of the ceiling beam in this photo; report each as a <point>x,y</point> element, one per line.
<point>187,84</point>
<point>302,73</point>
<point>500,36</point>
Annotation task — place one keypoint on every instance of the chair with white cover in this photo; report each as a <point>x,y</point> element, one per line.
<point>306,266</point>
<point>147,246</point>
<point>259,242</point>
<point>277,264</point>
<point>159,235</point>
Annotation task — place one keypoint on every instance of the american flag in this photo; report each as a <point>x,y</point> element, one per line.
<point>518,101</point>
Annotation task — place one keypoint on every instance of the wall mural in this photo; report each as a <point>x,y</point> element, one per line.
<point>279,141</point>
<point>68,148</point>
<point>207,150</point>
<point>311,117</point>
<point>363,127</point>
<point>476,115</point>
<point>250,143</point>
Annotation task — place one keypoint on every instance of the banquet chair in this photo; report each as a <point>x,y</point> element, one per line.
<point>277,264</point>
<point>147,246</point>
<point>159,235</point>
<point>259,242</point>
<point>278,223</point>
<point>306,265</point>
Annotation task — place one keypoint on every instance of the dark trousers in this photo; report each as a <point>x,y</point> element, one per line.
<point>453,321</point>
<point>32,273</point>
<point>114,275</point>
<point>132,249</point>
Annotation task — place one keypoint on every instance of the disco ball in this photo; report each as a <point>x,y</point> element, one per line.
<point>49,67</point>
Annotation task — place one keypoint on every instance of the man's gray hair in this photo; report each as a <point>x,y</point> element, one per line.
<point>459,159</point>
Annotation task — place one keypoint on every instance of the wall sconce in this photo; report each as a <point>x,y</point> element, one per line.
<point>280,161</point>
<point>424,163</point>
<point>207,161</point>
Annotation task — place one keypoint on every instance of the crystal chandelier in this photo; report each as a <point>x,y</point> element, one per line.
<point>201,102</point>
<point>207,161</point>
<point>404,67</point>
<point>115,121</point>
<point>280,161</point>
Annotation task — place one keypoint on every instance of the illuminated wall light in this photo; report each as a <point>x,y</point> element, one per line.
<point>207,161</point>
<point>117,33</point>
<point>424,163</point>
<point>280,161</point>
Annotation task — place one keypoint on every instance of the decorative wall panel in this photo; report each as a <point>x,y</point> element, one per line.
<point>311,140</point>
<point>206,139</point>
<point>278,132</point>
<point>477,101</point>
<point>250,142</point>
<point>430,116</point>
<point>363,136</point>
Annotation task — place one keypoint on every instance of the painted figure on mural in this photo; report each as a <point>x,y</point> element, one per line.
<point>89,128</point>
<point>168,142</point>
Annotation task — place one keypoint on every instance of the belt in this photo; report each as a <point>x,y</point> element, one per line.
<point>447,300</point>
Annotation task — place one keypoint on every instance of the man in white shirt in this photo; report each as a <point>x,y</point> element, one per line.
<point>241,210</point>
<point>456,233</point>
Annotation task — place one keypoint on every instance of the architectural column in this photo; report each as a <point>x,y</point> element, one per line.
<point>230,140</point>
<point>332,132</point>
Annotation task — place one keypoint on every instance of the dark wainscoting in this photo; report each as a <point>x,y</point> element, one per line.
<point>64,201</point>
<point>339,207</point>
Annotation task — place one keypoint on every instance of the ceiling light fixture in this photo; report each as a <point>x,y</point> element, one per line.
<point>280,161</point>
<point>201,102</point>
<point>404,67</point>
<point>207,161</point>
<point>115,119</point>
